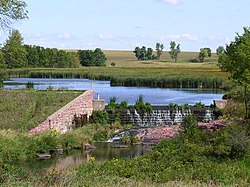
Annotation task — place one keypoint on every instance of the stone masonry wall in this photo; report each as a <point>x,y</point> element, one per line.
<point>61,120</point>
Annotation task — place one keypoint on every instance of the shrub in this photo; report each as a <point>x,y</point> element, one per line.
<point>100,117</point>
<point>113,64</point>
<point>30,85</point>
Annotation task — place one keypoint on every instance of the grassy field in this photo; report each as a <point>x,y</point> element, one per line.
<point>23,110</point>
<point>128,59</point>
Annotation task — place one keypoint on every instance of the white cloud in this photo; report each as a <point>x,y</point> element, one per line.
<point>172,2</point>
<point>188,37</point>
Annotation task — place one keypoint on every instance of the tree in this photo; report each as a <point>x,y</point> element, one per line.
<point>220,50</point>
<point>236,60</point>
<point>10,11</point>
<point>144,53</point>
<point>92,58</point>
<point>149,54</point>
<point>209,51</point>
<point>174,50</point>
<point>159,49</point>
<point>137,52</point>
<point>100,58</point>
<point>203,54</point>
<point>14,52</point>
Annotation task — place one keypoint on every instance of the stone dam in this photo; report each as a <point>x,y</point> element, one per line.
<point>63,119</point>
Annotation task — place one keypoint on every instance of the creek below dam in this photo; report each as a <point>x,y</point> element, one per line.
<point>155,96</point>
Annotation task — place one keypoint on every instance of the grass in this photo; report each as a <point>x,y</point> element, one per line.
<point>23,110</point>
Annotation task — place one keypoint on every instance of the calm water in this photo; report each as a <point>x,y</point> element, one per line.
<point>155,96</point>
<point>103,152</point>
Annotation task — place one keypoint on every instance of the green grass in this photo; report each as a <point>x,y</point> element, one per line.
<point>23,110</point>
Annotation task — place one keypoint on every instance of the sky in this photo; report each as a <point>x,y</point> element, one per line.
<point>125,24</point>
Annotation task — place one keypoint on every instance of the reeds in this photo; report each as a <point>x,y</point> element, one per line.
<point>128,76</point>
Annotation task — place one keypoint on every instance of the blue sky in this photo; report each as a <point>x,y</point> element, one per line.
<point>125,24</point>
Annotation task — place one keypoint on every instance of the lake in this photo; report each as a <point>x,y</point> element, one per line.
<point>155,96</point>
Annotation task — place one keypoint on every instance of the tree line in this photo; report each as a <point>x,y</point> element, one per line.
<point>145,53</point>
<point>15,54</point>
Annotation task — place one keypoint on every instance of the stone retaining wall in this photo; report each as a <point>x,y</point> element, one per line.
<point>61,120</point>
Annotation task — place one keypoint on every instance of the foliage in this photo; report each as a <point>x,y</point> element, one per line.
<point>174,50</point>
<point>195,155</point>
<point>2,61</point>
<point>92,58</point>
<point>14,52</point>
<point>142,107</point>
<point>98,116</point>
<point>46,57</point>
<point>30,85</point>
<point>220,50</point>
<point>144,53</point>
<point>113,64</point>
<point>209,51</point>
<point>159,50</point>
<point>195,158</point>
<point>203,54</point>
<point>12,10</point>
<point>235,60</point>
<point>199,105</point>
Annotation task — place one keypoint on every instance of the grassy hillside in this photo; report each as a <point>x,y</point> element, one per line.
<point>127,59</point>
<point>23,110</point>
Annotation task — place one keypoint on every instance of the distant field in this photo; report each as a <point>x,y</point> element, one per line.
<point>127,58</point>
<point>23,110</point>
<point>124,58</point>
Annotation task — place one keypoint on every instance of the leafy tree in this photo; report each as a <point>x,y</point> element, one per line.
<point>209,51</point>
<point>137,52</point>
<point>14,52</point>
<point>236,60</point>
<point>100,58</point>
<point>220,50</point>
<point>159,49</point>
<point>10,11</point>
<point>149,54</point>
<point>32,55</point>
<point>92,58</point>
<point>203,54</point>
<point>174,50</point>
<point>144,53</point>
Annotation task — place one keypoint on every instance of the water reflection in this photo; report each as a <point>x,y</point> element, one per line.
<point>103,151</point>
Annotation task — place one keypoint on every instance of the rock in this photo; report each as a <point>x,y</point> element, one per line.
<point>88,146</point>
<point>59,151</point>
<point>44,156</point>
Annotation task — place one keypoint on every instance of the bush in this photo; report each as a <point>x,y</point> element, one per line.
<point>100,117</point>
<point>113,64</point>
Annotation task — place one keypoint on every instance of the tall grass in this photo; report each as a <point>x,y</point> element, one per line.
<point>173,76</point>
